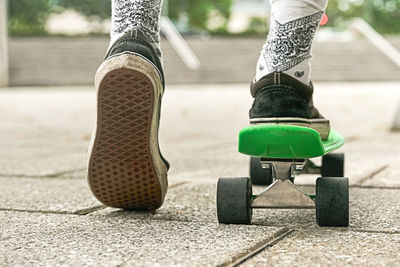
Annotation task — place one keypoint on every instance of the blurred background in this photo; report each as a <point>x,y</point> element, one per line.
<point>49,53</point>
<point>61,42</point>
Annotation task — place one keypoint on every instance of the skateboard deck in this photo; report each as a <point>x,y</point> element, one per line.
<point>286,142</point>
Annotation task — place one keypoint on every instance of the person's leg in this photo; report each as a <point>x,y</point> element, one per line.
<point>282,88</point>
<point>125,167</point>
<point>141,15</point>
<point>288,46</point>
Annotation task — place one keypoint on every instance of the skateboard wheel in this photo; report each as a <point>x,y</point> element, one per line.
<point>333,165</point>
<point>332,201</point>
<point>258,175</point>
<point>234,200</point>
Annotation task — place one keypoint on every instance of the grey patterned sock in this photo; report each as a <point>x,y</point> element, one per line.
<point>142,15</point>
<point>289,42</point>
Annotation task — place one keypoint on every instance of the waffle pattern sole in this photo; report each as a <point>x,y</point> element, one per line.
<point>122,171</point>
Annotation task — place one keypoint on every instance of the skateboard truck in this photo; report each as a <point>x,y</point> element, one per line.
<point>278,153</point>
<point>283,193</point>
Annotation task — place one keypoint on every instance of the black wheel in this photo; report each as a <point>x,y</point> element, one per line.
<point>333,165</point>
<point>234,200</point>
<point>332,201</point>
<point>258,175</point>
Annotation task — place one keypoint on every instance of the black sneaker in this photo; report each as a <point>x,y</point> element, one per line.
<point>282,99</point>
<point>126,168</point>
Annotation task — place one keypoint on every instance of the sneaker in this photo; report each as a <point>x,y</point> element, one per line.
<point>282,99</point>
<point>125,167</point>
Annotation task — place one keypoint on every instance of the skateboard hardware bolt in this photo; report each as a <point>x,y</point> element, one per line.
<point>265,165</point>
<point>299,167</point>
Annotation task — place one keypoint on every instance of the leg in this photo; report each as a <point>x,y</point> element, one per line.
<point>125,167</point>
<point>288,46</point>
<point>282,88</point>
<point>140,15</point>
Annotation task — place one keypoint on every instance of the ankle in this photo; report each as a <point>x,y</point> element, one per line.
<point>289,42</point>
<point>137,35</point>
<point>137,16</point>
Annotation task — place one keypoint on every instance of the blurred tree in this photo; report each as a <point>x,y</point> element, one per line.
<point>383,15</point>
<point>257,26</point>
<point>89,8</point>
<point>198,11</point>
<point>27,17</point>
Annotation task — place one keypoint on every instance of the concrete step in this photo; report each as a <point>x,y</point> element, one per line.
<point>73,61</point>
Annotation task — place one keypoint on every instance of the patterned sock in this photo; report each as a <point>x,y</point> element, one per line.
<point>288,46</point>
<point>142,15</point>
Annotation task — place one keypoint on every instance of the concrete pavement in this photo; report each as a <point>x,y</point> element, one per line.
<point>49,217</point>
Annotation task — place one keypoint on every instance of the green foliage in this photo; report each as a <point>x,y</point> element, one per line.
<point>97,8</point>
<point>27,17</point>
<point>383,15</point>
<point>257,26</point>
<point>198,11</point>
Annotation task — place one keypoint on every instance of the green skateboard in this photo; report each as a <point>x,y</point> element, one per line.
<point>278,153</point>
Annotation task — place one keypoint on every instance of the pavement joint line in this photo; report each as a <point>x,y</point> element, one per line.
<point>89,210</point>
<point>302,226</point>
<point>278,236</point>
<point>39,211</point>
<point>371,175</point>
<point>358,230</point>
<point>149,219</point>
<point>100,207</point>
<point>50,175</point>
<point>375,187</point>
<point>361,230</point>
<point>282,234</point>
<point>77,212</point>
<point>80,212</point>
<point>178,184</point>
<point>361,186</point>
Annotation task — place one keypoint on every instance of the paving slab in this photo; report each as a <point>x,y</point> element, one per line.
<point>41,157</point>
<point>47,112</point>
<point>47,195</point>
<point>194,136</point>
<point>46,131</point>
<point>371,209</point>
<point>196,202</point>
<point>375,209</point>
<point>59,195</point>
<point>49,239</point>
<point>331,247</point>
<point>374,160</point>
<point>388,177</point>
<point>358,109</point>
<point>354,109</point>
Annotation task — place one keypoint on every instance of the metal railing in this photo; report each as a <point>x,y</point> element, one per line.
<point>179,44</point>
<point>383,45</point>
<point>171,33</point>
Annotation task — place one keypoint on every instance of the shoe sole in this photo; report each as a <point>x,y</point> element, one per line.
<point>322,126</point>
<point>125,168</point>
